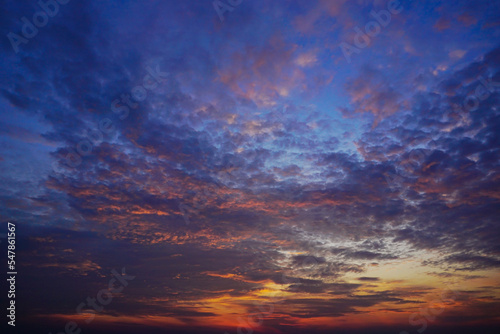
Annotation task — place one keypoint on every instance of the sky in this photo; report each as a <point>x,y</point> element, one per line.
<point>251,166</point>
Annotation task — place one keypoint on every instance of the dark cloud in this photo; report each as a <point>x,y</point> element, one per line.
<point>261,161</point>
<point>368,279</point>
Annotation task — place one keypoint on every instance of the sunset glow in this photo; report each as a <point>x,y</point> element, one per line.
<point>250,166</point>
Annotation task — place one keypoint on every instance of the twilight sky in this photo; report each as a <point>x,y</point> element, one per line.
<point>279,166</point>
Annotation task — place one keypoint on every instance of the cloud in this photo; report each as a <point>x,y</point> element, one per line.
<point>368,279</point>
<point>371,92</point>
<point>285,195</point>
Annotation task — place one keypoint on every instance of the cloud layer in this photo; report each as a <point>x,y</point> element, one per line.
<point>243,164</point>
